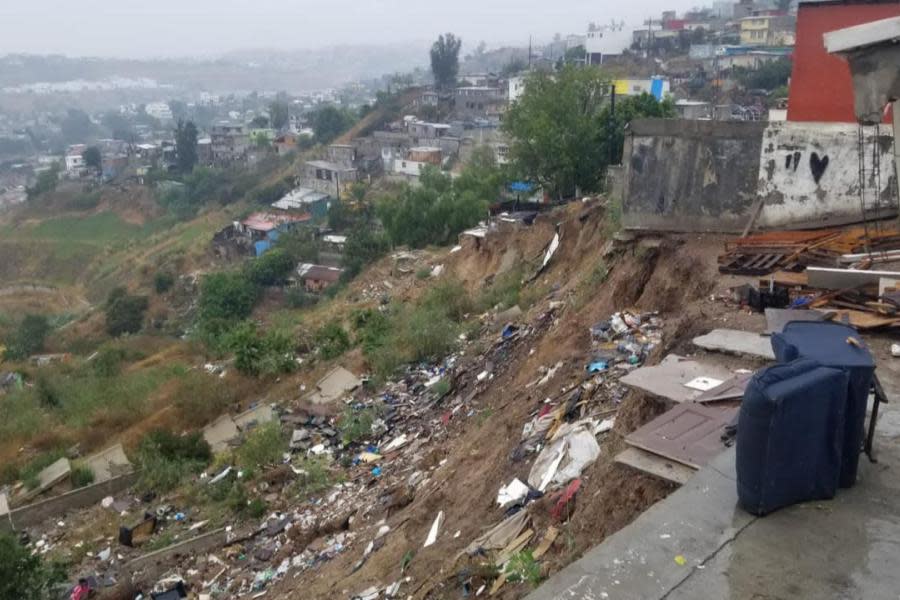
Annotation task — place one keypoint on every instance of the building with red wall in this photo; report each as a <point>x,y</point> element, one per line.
<point>821,87</point>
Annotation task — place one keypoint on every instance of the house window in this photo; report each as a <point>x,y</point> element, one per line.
<point>404,164</point>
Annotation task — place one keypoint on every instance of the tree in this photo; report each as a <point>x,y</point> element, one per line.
<point>186,145</point>
<point>271,268</point>
<point>515,65</point>
<point>124,312</point>
<point>24,575</point>
<point>76,126</point>
<point>440,208</point>
<point>329,122</point>
<point>769,76</point>
<point>628,109</point>
<point>226,297</point>
<point>445,60</point>
<point>557,130</point>
<point>92,157</point>
<point>28,338</point>
<point>259,122</point>
<point>46,182</point>
<point>279,114</point>
<point>363,247</point>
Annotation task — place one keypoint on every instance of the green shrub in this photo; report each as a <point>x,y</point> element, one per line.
<point>108,361</point>
<point>449,297</point>
<point>85,201</point>
<point>124,312</point>
<point>163,282</point>
<point>261,354</point>
<point>28,337</point>
<point>202,397</point>
<point>165,458</point>
<point>522,567</point>
<point>272,268</point>
<point>356,424</point>
<point>503,292</point>
<point>315,477</point>
<point>332,340</point>
<point>423,273</point>
<point>427,333</point>
<point>228,296</point>
<point>29,472</point>
<point>23,575</point>
<point>81,477</point>
<point>297,297</point>
<point>264,446</point>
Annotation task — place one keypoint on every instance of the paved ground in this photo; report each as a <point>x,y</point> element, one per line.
<point>698,544</point>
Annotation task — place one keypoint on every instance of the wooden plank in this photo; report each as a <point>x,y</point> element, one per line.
<point>785,279</point>
<point>754,215</point>
<point>690,434</point>
<point>653,464</point>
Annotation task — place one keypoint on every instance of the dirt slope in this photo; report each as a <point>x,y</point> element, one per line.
<point>478,453</point>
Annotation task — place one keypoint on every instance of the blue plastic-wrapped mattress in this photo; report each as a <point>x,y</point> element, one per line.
<point>790,435</point>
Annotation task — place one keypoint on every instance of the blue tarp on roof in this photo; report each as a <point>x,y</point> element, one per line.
<point>520,186</point>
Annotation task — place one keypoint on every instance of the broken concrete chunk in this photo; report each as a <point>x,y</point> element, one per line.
<point>333,386</point>
<point>257,415</point>
<point>220,433</point>
<point>48,478</point>
<point>109,463</point>
<point>667,379</point>
<point>733,341</point>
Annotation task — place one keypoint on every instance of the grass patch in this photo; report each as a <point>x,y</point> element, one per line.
<point>315,478</point>
<point>504,292</point>
<point>82,477</point>
<point>201,397</point>
<point>165,459</point>
<point>523,568</point>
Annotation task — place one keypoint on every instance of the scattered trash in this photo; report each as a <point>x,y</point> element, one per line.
<point>573,449</point>
<point>435,530</point>
<point>512,493</point>
<point>680,560</point>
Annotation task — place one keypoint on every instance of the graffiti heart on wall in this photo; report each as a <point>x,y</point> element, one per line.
<point>818,165</point>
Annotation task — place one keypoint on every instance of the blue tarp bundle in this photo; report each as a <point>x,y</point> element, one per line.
<point>827,343</point>
<point>790,435</point>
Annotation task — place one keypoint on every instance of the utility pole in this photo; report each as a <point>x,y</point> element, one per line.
<point>529,52</point>
<point>612,123</point>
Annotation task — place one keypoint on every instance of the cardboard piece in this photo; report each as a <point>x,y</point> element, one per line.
<point>733,341</point>
<point>667,379</point>
<point>139,533</point>
<point>108,463</point>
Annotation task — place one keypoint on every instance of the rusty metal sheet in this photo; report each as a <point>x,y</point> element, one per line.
<point>690,433</point>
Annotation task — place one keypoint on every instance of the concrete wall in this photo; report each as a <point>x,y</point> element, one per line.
<point>708,175</point>
<point>809,174</point>
<point>690,175</point>
<point>51,508</point>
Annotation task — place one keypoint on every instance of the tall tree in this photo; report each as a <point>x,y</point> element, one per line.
<point>329,122</point>
<point>186,145</point>
<point>279,114</point>
<point>445,60</point>
<point>92,157</point>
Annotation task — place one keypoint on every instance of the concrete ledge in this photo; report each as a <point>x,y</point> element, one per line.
<point>639,561</point>
<point>195,545</point>
<point>700,129</point>
<point>56,506</point>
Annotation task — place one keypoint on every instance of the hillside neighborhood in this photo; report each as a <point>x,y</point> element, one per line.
<point>608,314</point>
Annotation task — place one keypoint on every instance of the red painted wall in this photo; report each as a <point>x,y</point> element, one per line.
<point>821,86</point>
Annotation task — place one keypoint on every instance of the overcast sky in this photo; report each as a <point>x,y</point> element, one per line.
<point>144,28</point>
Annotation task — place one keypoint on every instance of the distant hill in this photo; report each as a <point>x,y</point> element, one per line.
<point>262,70</point>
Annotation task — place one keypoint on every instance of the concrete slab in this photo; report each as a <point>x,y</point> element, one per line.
<point>841,279</point>
<point>667,379</point>
<point>333,386</point>
<point>777,318</point>
<point>733,341</point>
<point>108,463</point>
<point>220,433</point>
<point>264,413</point>
<point>48,478</point>
<point>652,464</point>
<point>4,505</point>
